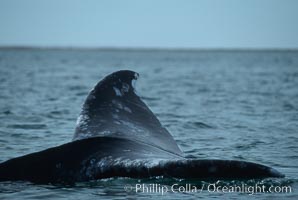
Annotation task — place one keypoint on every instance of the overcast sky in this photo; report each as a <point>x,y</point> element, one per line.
<point>150,23</point>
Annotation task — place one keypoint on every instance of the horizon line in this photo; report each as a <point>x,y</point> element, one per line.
<point>144,48</point>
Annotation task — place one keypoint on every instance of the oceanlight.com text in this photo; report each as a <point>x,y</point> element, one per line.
<point>211,188</point>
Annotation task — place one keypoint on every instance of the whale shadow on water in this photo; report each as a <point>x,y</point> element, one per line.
<point>118,136</point>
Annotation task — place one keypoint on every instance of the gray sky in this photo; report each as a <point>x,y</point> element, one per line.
<point>151,23</point>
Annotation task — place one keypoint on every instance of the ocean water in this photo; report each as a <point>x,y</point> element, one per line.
<point>217,105</point>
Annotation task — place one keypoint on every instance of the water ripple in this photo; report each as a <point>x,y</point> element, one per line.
<point>27,126</point>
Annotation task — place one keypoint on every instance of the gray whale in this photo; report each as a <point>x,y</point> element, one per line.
<point>118,136</point>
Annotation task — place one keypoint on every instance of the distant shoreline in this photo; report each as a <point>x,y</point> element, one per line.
<point>144,49</point>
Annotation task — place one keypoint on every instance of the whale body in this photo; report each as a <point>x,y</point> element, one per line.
<point>117,135</point>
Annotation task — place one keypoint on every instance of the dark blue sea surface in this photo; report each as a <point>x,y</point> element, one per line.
<point>217,105</point>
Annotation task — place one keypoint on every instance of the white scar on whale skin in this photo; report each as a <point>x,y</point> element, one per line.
<point>105,163</point>
<point>127,109</point>
<point>125,88</point>
<point>117,91</point>
<point>82,121</point>
<point>119,106</point>
<point>91,97</point>
<point>120,92</point>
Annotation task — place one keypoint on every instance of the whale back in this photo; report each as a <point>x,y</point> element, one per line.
<point>106,157</point>
<point>118,136</point>
<point>113,109</point>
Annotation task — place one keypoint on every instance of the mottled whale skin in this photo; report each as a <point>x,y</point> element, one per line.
<point>118,136</point>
